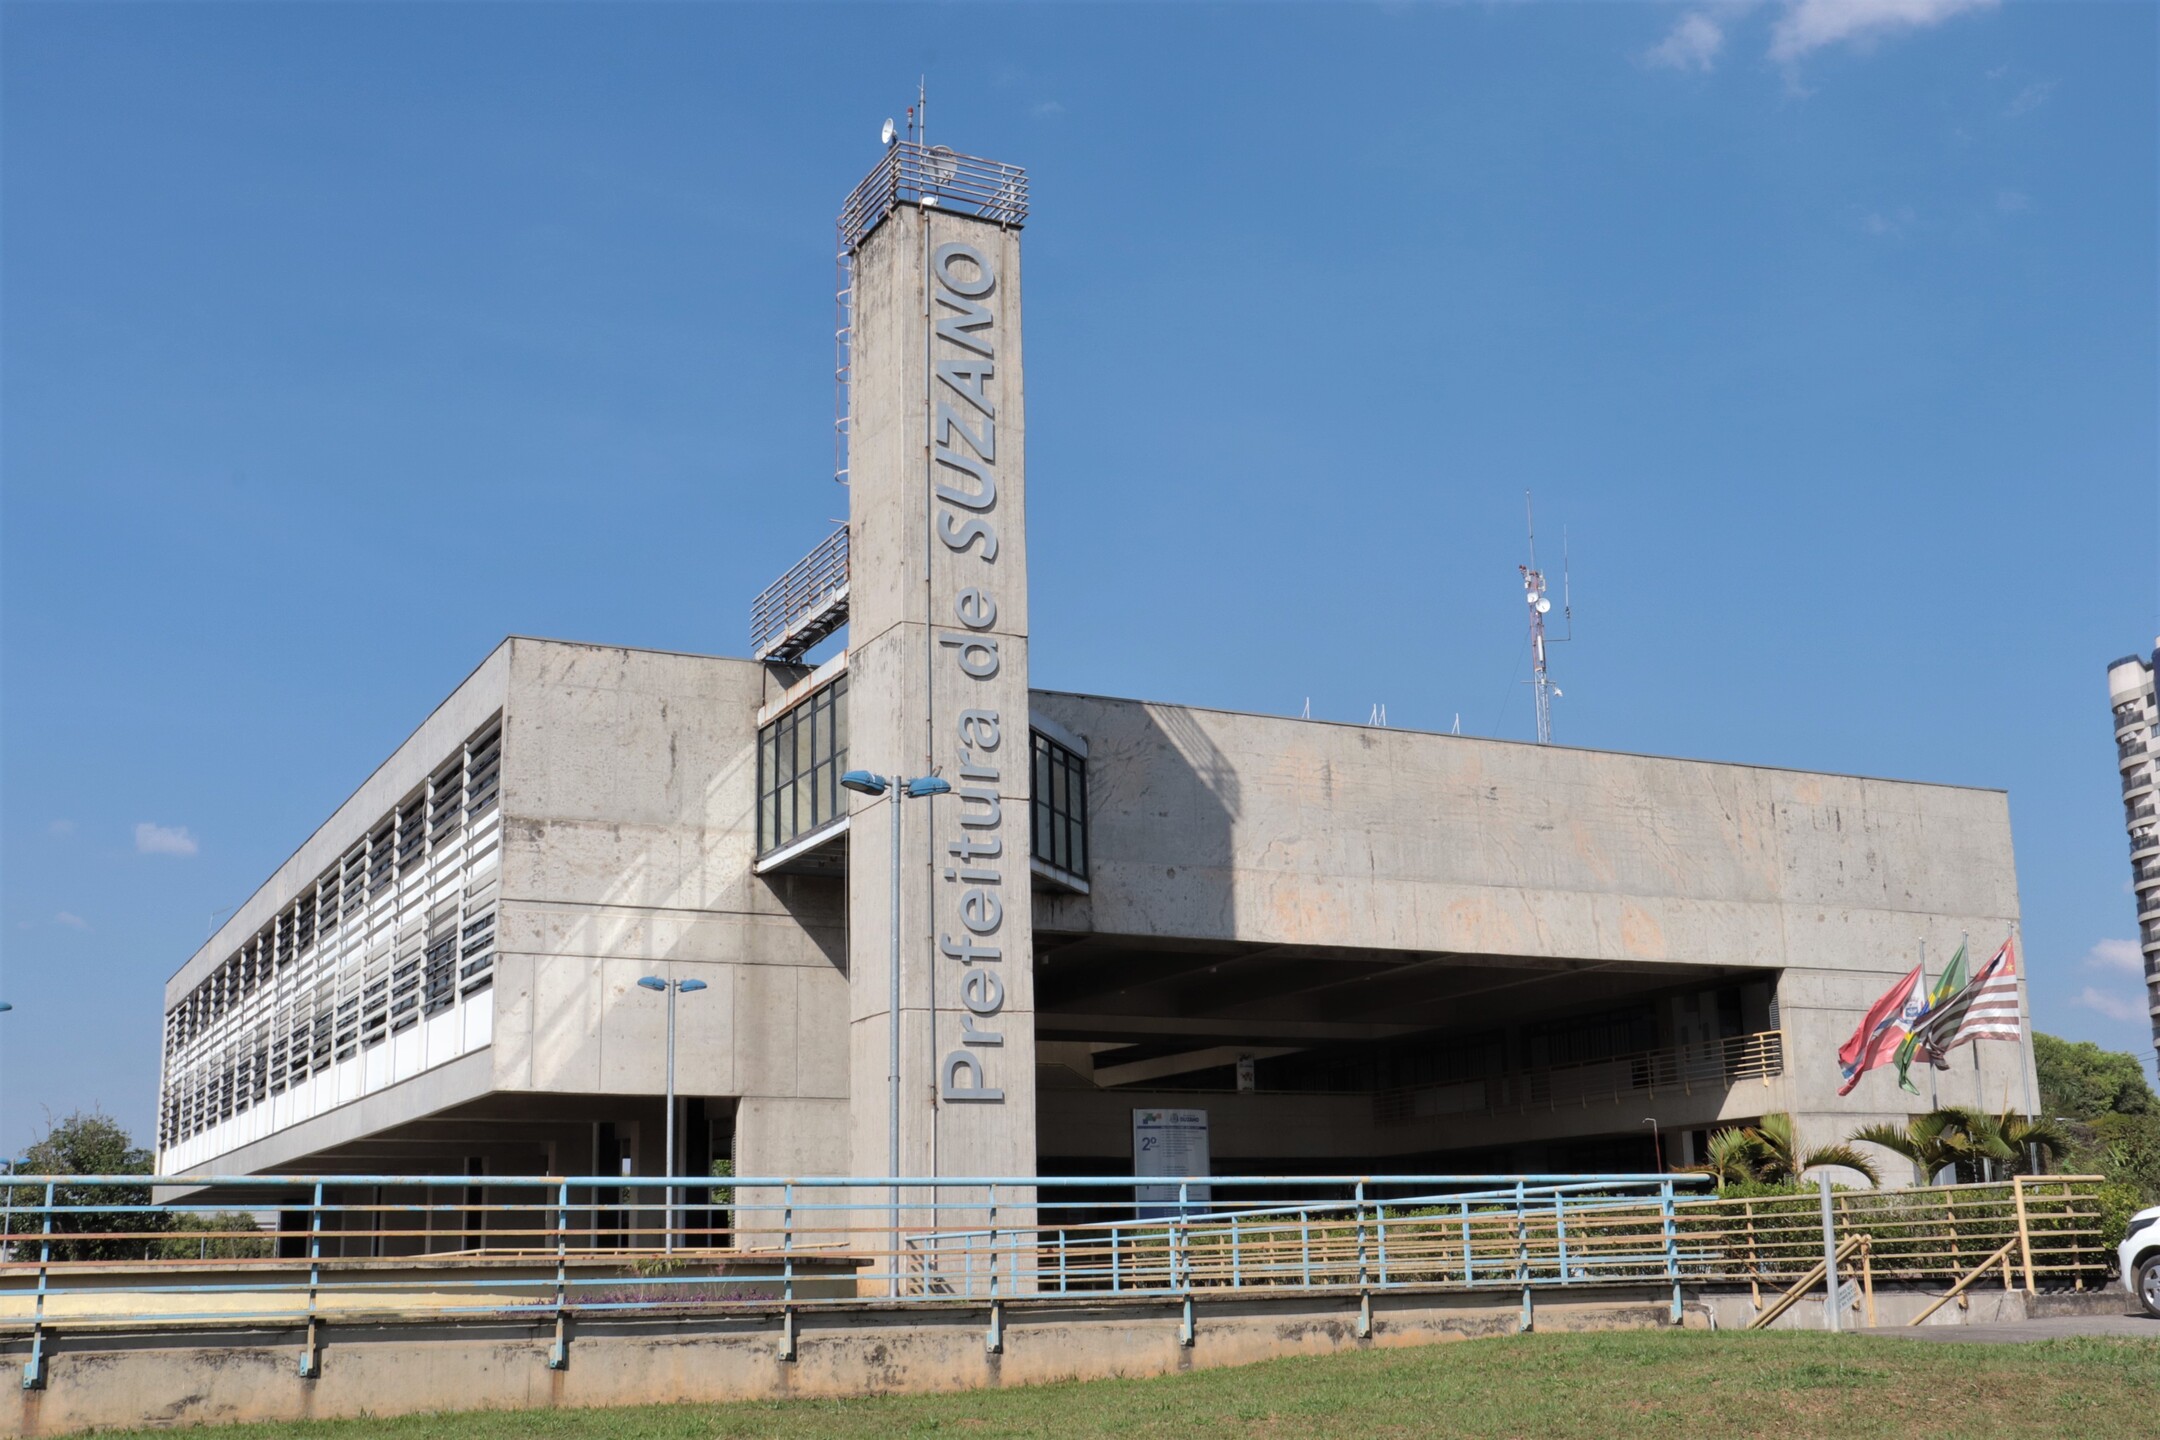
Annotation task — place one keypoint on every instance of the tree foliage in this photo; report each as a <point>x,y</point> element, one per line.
<point>2081,1081</point>
<point>1769,1152</point>
<point>1970,1140</point>
<point>93,1143</point>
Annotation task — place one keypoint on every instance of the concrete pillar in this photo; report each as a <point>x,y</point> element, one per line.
<point>937,658</point>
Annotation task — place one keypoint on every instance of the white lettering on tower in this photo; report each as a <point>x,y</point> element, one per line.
<point>964,482</point>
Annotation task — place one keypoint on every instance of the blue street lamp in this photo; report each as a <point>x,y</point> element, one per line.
<point>684,987</point>
<point>865,782</point>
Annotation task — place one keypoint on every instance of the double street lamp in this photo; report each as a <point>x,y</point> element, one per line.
<point>865,782</point>
<point>683,987</point>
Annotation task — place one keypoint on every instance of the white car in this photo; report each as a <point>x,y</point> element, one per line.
<point>2139,1258</point>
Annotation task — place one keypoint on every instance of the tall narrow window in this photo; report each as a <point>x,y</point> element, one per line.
<point>1060,806</point>
<point>800,759</point>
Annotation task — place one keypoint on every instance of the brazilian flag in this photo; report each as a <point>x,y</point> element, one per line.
<point>1952,981</point>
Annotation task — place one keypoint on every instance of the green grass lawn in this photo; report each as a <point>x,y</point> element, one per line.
<point>1552,1387</point>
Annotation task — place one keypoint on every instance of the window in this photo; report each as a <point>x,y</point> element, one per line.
<point>337,969</point>
<point>800,758</point>
<point>1060,806</point>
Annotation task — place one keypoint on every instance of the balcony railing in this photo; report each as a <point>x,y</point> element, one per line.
<point>912,174</point>
<point>1709,1067</point>
<point>2133,745</point>
<point>803,606</point>
<point>2137,777</point>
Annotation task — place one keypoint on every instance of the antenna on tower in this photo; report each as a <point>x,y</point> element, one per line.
<point>1540,604</point>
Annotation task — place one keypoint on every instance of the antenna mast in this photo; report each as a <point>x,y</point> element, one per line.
<point>1533,580</point>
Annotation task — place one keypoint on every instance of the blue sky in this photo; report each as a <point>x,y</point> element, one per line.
<point>340,341</point>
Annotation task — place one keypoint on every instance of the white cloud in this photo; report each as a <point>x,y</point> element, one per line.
<point>1998,72</point>
<point>1809,25</point>
<point>71,921</point>
<point>2012,202</point>
<point>1048,110</point>
<point>2122,955</point>
<point>61,828</point>
<point>1890,226</point>
<point>1693,44</point>
<point>2112,1006</point>
<point>164,839</point>
<point>2029,99</point>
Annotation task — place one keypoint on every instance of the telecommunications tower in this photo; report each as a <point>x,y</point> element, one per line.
<point>1533,580</point>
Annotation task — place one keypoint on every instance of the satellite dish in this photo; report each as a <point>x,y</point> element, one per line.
<point>1533,597</point>
<point>887,137</point>
<point>1544,606</point>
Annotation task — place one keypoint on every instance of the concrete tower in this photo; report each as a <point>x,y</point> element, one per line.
<point>938,660</point>
<point>2137,752</point>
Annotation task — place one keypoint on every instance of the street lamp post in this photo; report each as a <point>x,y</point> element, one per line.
<point>1657,1142</point>
<point>654,982</point>
<point>865,782</point>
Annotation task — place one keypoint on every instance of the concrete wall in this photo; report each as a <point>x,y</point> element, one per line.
<point>629,780</point>
<point>1266,830</point>
<point>107,1381</point>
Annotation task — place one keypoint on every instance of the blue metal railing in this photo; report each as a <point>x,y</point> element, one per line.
<point>310,1250</point>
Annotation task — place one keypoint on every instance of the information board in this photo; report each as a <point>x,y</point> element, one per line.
<point>1169,1143</point>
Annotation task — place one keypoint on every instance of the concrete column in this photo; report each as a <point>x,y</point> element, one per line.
<point>939,685</point>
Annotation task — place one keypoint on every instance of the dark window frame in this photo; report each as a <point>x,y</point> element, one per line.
<point>1057,805</point>
<point>801,755</point>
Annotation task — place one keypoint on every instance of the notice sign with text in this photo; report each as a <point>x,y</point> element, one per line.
<point>1174,1144</point>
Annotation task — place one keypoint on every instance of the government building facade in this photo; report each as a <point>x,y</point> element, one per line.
<point>1348,949</point>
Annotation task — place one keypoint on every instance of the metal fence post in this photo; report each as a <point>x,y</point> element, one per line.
<point>994,1341</point>
<point>33,1376</point>
<point>2024,1224</point>
<point>1522,1254</point>
<point>1364,1279</point>
<point>559,1356</point>
<point>1181,1265</point>
<point>1559,1220</point>
<point>1672,1246</point>
<point>787,1270</point>
<point>311,1351</point>
<point>1829,1254</point>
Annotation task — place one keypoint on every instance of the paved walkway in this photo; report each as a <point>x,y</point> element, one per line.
<point>2010,1332</point>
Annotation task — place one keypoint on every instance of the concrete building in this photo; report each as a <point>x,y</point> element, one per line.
<point>2137,753</point>
<point>1351,948</point>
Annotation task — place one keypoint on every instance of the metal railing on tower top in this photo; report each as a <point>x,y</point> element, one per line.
<point>915,174</point>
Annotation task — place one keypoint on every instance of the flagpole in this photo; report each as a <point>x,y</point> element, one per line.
<point>2025,1053</point>
<point>1979,1086</point>
<point>1934,1100</point>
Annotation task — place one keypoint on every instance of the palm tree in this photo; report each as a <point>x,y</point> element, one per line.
<point>1769,1153</point>
<point>1731,1158</point>
<point>1966,1139</point>
<point>2028,1135</point>
<point>1784,1160</point>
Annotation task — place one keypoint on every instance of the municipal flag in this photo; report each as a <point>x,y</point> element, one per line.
<point>1887,1022</point>
<point>1987,1009</point>
<point>1951,981</point>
